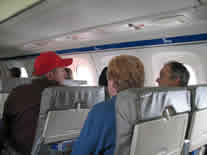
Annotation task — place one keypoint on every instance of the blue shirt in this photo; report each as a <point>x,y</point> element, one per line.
<point>98,133</point>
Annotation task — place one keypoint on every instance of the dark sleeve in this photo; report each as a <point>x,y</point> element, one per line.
<point>3,126</point>
<point>4,121</point>
<point>10,105</point>
<point>3,133</point>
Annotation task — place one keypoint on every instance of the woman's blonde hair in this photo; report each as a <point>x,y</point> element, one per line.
<point>126,72</point>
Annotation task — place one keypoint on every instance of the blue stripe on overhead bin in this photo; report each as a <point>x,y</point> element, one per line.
<point>84,49</point>
<point>192,38</point>
<point>140,43</point>
<point>132,44</point>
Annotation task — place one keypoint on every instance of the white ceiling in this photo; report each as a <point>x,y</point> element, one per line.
<point>80,23</point>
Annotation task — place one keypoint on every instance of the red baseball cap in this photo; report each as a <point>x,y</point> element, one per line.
<point>48,61</point>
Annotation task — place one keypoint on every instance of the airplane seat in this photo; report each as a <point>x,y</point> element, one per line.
<point>197,126</point>
<point>155,136</point>
<point>60,106</point>
<point>138,105</point>
<point>7,84</point>
<point>74,82</point>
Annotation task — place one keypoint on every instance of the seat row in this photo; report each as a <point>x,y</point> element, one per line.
<point>7,84</point>
<point>144,117</point>
<point>176,113</point>
<point>159,120</point>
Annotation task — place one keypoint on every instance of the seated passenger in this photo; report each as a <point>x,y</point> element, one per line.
<point>99,131</point>
<point>69,74</point>
<point>69,81</point>
<point>15,72</point>
<point>173,74</point>
<point>21,110</point>
<point>102,82</point>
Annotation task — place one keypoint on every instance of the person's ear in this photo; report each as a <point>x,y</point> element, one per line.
<point>111,88</point>
<point>177,81</point>
<point>50,75</point>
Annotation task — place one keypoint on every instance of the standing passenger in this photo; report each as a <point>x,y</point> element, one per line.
<point>22,107</point>
<point>99,132</point>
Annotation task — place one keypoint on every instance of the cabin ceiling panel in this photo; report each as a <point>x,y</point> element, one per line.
<point>9,8</point>
<point>55,17</point>
<point>121,37</point>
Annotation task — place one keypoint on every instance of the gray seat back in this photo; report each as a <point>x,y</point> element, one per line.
<point>74,82</point>
<point>155,137</point>
<point>199,97</point>
<point>63,125</point>
<point>137,105</point>
<point>64,98</point>
<point>197,127</point>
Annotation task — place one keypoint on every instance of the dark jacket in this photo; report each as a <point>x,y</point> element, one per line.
<point>21,112</point>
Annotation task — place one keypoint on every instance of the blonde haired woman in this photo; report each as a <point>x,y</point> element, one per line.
<point>98,134</point>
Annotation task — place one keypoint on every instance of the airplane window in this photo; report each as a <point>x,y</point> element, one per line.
<point>84,73</point>
<point>23,73</point>
<point>193,79</point>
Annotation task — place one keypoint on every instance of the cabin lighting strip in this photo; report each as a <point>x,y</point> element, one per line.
<point>133,44</point>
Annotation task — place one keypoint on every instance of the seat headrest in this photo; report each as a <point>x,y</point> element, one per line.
<point>151,102</point>
<point>74,82</point>
<point>199,97</point>
<point>69,97</point>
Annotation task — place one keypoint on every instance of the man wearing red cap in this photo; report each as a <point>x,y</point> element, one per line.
<point>22,107</point>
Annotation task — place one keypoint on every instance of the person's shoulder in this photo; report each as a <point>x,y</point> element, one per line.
<point>20,88</point>
<point>105,106</point>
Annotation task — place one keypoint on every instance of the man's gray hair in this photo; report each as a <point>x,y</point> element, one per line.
<point>178,70</point>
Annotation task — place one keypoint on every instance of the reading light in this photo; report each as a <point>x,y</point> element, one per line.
<point>136,27</point>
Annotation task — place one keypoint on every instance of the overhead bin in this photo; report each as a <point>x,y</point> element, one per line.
<point>84,14</point>
<point>42,27</point>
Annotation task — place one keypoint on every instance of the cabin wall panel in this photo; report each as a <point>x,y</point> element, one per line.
<point>154,58</point>
<point>84,68</point>
<point>102,59</point>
